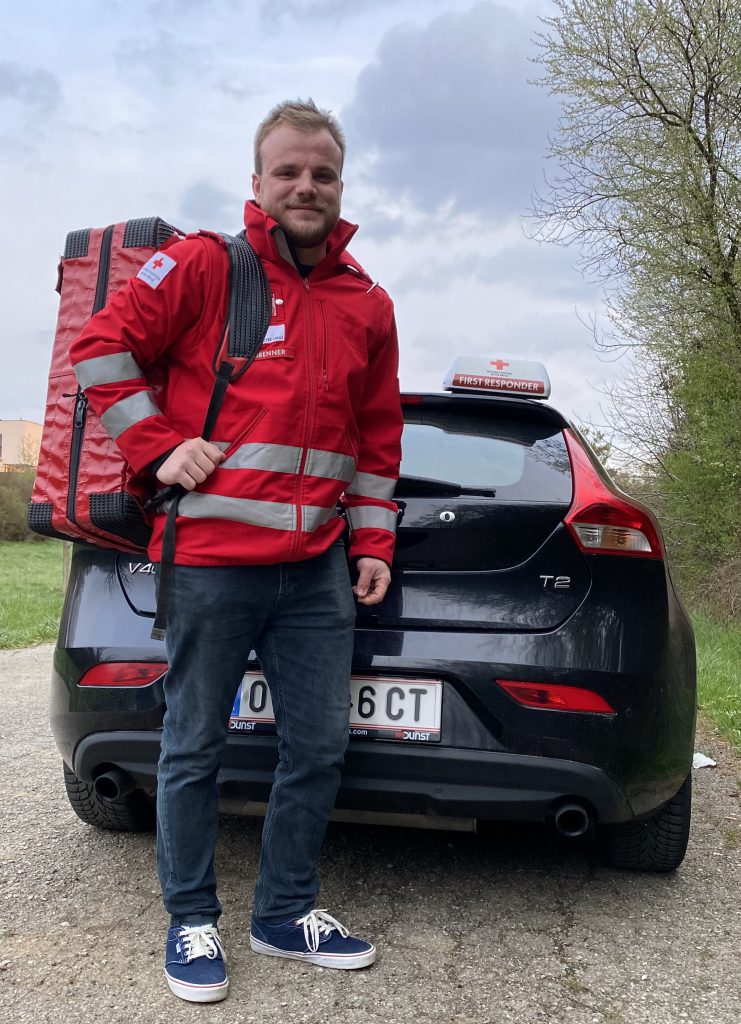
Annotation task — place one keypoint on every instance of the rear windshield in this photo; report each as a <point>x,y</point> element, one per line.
<point>485,452</point>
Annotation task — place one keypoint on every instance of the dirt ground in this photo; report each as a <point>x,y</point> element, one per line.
<point>523,928</point>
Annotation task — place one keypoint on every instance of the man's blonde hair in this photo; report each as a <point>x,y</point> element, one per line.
<point>303,115</point>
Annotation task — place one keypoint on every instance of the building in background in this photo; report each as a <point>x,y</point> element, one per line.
<point>20,441</point>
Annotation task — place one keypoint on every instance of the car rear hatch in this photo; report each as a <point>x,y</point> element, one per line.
<point>484,488</point>
<point>485,485</point>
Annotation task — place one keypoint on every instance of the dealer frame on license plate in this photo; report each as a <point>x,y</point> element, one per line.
<point>386,708</point>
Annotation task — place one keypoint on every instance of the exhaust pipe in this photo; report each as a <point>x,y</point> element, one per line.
<point>113,785</point>
<point>572,820</point>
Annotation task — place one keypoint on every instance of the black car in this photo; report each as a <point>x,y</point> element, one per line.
<point>531,660</point>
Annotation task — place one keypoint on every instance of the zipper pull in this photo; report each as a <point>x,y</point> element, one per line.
<point>306,283</point>
<point>325,378</point>
<point>80,408</point>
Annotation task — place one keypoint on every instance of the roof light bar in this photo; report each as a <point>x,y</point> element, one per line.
<point>498,376</point>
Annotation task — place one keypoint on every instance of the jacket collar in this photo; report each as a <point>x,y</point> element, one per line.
<point>266,237</point>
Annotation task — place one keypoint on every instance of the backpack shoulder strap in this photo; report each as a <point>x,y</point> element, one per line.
<point>247,321</point>
<point>249,299</point>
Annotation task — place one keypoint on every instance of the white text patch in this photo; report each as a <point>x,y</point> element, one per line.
<point>156,269</point>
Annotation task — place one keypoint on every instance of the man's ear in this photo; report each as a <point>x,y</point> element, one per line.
<point>256,187</point>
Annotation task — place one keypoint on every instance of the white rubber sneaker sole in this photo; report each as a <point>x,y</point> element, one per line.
<point>341,961</point>
<point>198,993</point>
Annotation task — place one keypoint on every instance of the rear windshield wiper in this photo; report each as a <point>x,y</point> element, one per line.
<point>422,486</point>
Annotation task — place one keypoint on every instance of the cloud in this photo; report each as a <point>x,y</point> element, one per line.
<point>555,339</point>
<point>166,56</point>
<point>235,91</point>
<point>167,9</point>
<point>546,270</point>
<point>421,255</point>
<point>334,11</point>
<point>32,87</point>
<point>446,114</point>
<point>463,288</point>
<point>23,386</point>
<point>206,205</point>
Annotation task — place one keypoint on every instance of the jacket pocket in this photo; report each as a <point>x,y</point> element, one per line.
<point>244,434</point>
<point>352,444</point>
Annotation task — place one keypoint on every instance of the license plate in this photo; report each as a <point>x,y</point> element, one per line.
<point>404,710</point>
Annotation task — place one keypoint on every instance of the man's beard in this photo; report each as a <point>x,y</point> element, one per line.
<point>306,236</point>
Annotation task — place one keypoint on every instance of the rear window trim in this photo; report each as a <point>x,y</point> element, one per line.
<point>515,409</point>
<point>519,408</point>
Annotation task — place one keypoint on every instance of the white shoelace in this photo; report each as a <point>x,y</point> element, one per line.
<point>317,924</point>
<point>201,940</point>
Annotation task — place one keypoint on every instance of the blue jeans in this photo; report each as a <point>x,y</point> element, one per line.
<point>299,618</point>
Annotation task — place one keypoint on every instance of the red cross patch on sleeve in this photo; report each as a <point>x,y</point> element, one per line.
<point>156,269</point>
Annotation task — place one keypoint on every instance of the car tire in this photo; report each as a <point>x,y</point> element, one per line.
<point>134,812</point>
<point>658,843</point>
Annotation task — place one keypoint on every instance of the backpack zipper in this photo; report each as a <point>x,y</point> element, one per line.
<point>80,412</point>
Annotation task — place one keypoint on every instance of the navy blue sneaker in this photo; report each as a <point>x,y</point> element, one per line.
<point>316,938</point>
<point>195,965</point>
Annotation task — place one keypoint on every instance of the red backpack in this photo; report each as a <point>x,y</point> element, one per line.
<point>82,480</point>
<point>85,489</point>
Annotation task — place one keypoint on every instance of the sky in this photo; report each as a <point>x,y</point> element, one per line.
<point>113,109</point>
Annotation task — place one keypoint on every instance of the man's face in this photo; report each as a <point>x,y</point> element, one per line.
<point>300,185</point>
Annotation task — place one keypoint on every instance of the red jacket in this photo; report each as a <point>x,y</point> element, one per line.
<point>314,420</point>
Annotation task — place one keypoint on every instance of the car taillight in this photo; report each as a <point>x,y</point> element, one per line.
<point>123,673</point>
<point>602,519</point>
<point>556,697</point>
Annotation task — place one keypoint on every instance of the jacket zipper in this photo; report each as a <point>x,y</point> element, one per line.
<point>310,415</point>
<point>325,341</point>
<point>81,403</point>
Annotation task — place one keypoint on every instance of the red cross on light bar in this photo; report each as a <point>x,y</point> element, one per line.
<point>160,262</point>
<point>498,364</point>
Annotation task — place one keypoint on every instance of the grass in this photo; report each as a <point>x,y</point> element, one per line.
<point>31,600</point>
<point>732,838</point>
<point>30,592</point>
<point>719,675</point>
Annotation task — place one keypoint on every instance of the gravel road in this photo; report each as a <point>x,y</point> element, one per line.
<point>525,928</point>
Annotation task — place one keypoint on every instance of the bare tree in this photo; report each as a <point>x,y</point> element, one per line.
<point>648,157</point>
<point>647,184</point>
<point>28,452</point>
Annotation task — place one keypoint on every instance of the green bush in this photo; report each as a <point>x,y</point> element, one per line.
<point>15,493</point>
<point>703,478</point>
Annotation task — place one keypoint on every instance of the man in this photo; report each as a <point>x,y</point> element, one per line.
<point>259,562</point>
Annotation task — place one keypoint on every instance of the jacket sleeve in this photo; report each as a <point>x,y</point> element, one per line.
<point>371,513</point>
<point>119,346</point>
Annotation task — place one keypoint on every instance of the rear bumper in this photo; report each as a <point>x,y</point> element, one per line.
<point>384,777</point>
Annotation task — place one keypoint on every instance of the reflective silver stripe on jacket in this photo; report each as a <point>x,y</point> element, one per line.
<point>278,458</point>
<point>284,458</point>
<point>367,517</point>
<point>330,464</point>
<point>314,516</point>
<point>118,366</point>
<point>128,411</point>
<point>368,485</point>
<point>274,515</point>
